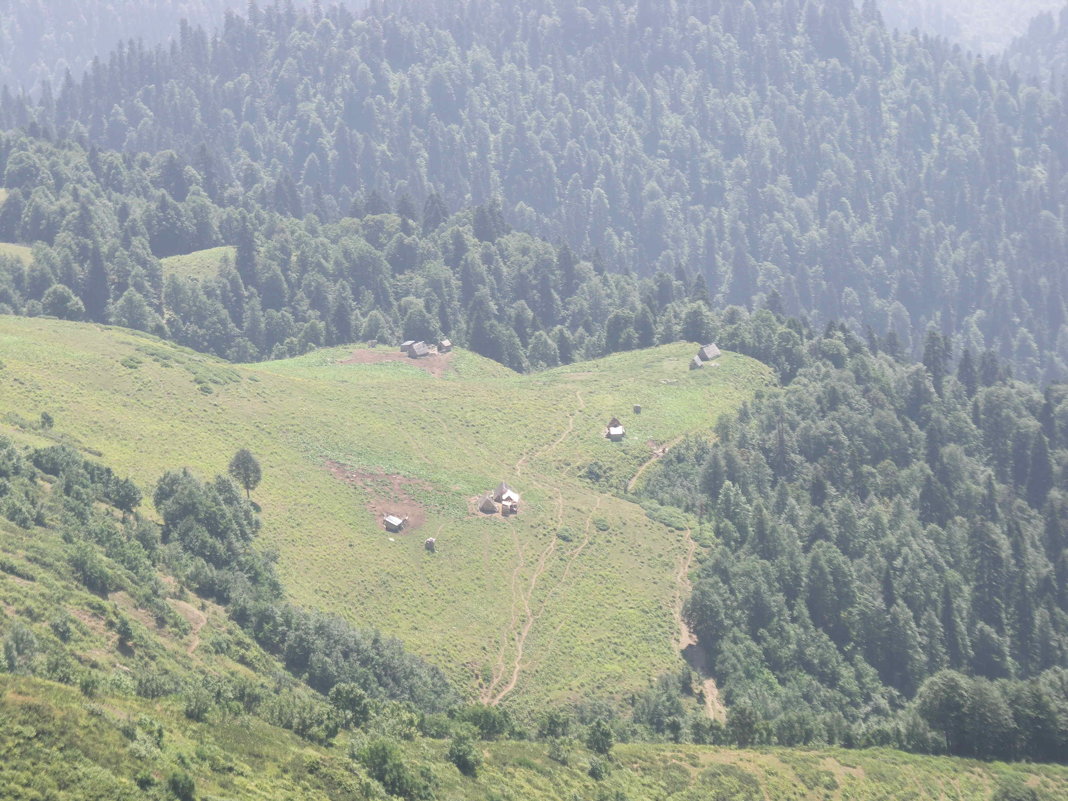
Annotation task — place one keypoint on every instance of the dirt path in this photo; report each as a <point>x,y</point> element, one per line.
<point>555,443</point>
<point>196,620</point>
<point>683,587</point>
<point>687,640</point>
<point>521,639</point>
<point>658,454</point>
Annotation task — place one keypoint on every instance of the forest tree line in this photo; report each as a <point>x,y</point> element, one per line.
<point>768,147</point>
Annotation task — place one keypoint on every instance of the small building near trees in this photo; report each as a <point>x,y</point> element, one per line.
<point>615,432</point>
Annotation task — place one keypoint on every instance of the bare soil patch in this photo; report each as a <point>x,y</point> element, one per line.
<point>388,494</point>
<point>437,364</point>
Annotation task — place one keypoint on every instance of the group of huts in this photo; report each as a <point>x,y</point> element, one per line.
<point>418,349</point>
<point>705,353</point>
<point>503,499</point>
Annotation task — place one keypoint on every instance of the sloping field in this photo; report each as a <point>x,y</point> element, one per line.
<point>21,252</point>
<point>575,595</point>
<point>200,264</point>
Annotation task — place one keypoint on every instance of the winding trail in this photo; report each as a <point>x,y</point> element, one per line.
<point>658,454</point>
<point>196,619</point>
<point>521,636</point>
<point>523,621</point>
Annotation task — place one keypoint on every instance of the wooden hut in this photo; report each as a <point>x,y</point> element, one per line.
<point>418,350</point>
<point>406,345</point>
<point>696,363</point>
<point>445,346</point>
<point>487,506</point>
<point>393,523</point>
<point>708,353</point>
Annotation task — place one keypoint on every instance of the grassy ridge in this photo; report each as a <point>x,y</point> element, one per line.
<point>105,745</point>
<point>200,264</point>
<point>575,596</point>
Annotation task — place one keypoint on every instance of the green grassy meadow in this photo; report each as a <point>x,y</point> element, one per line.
<point>201,264</point>
<point>573,597</point>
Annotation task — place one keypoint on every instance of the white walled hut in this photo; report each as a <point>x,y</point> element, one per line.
<point>616,432</point>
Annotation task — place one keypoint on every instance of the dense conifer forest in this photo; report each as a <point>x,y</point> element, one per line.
<point>800,154</point>
<point>878,524</point>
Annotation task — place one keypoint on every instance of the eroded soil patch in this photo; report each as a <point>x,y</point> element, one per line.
<point>436,363</point>
<point>387,494</point>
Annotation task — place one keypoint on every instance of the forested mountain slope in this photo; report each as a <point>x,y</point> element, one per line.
<point>809,156</point>
<point>876,523</point>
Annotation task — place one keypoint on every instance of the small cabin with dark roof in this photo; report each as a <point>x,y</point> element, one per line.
<point>406,345</point>
<point>696,363</point>
<point>708,353</point>
<point>418,350</point>
<point>393,523</point>
<point>616,432</point>
<point>487,506</point>
<point>445,346</point>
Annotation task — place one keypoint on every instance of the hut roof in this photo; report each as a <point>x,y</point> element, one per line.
<point>445,343</point>
<point>407,344</point>
<point>614,423</point>
<point>393,520</point>
<point>487,505</point>
<point>696,362</point>
<point>708,353</point>
<point>419,349</point>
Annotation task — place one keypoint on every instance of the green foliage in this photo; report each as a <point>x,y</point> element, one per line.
<point>464,754</point>
<point>877,523</point>
<point>385,763</point>
<point>245,470</point>
<point>600,738</point>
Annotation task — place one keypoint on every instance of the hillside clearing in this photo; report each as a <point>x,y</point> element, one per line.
<point>572,598</point>
<point>200,264</point>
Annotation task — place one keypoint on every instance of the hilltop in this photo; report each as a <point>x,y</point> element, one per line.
<point>575,597</point>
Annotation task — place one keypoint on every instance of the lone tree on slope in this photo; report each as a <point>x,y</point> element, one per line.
<point>245,470</point>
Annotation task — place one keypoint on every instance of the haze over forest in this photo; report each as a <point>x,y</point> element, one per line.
<point>557,544</point>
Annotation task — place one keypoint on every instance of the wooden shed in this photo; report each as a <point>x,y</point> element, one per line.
<point>696,363</point>
<point>708,353</point>
<point>393,523</point>
<point>418,350</point>
<point>445,346</point>
<point>487,506</point>
<point>406,345</point>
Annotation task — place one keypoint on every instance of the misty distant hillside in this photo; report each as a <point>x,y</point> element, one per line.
<point>983,26</point>
<point>1042,52</point>
<point>42,39</point>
